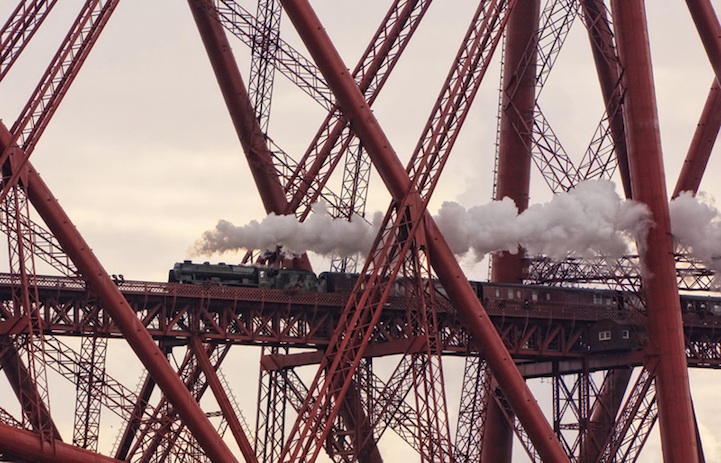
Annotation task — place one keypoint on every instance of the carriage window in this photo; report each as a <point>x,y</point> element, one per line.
<point>548,296</point>
<point>534,296</point>
<point>597,299</point>
<point>604,335</point>
<point>510,294</point>
<point>518,294</point>
<point>625,334</point>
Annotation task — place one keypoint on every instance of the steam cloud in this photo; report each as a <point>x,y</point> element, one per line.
<point>591,218</point>
<point>696,223</point>
<point>319,233</point>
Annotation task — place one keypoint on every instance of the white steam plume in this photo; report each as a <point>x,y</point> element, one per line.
<point>590,218</point>
<point>696,223</point>
<point>319,233</point>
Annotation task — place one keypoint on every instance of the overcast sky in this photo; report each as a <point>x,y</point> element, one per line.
<point>143,157</point>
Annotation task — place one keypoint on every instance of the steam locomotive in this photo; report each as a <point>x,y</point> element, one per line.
<point>249,276</point>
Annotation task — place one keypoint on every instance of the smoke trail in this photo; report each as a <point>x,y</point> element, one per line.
<point>320,234</point>
<point>591,218</point>
<point>696,223</point>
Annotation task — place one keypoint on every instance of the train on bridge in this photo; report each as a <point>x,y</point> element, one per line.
<point>253,276</point>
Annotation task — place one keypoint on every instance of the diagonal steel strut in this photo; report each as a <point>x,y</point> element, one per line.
<point>449,272</point>
<point>135,334</point>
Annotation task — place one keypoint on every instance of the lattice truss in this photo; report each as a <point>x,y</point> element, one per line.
<point>369,373</point>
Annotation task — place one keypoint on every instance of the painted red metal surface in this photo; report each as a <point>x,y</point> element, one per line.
<point>513,178</point>
<point>702,143</point>
<point>514,143</point>
<point>396,179</point>
<point>704,138</point>
<point>222,397</point>
<point>239,106</point>
<point>606,59</point>
<point>22,384</point>
<point>663,320</point>
<point>137,337</point>
<point>676,419</point>
<point>24,446</point>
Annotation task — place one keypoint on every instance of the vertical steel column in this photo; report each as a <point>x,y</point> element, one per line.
<point>603,413</point>
<point>497,437</point>
<point>515,140</point>
<point>665,327</point>
<point>396,179</point>
<point>357,421</point>
<point>117,306</point>
<point>514,177</point>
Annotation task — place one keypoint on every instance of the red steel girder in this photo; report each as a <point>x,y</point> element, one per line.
<point>709,123</point>
<point>638,414</point>
<point>26,305</point>
<point>607,68</point>
<point>137,337</point>
<point>497,435</point>
<point>513,177</point>
<point>703,141</point>
<point>164,433</point>
<point>55,83</point>
<point>271,409</point>
<point>437,143</point>
<point>133,423</point>
<point>241,110</point>
<point>291,63</point>
<point>472,415</point>
<point>603,413</point>
<point>89,392</point>
<point>678,434</point>
<point>22,384</point>
<point>514,146</point>
<point>221,396</point>
<point>263,53</point>
<point>336,445</point>
<point>707,24</point>
<point>427,366</point>
<point>19,29</point>
<point>24,445</point>
<point>397,181</point>
<point>335,136</point>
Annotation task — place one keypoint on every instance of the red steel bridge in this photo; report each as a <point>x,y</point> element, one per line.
<point>338,371</point>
